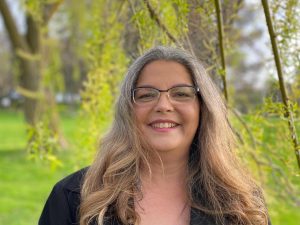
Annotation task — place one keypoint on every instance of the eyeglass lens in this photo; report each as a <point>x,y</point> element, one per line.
<point>177,94</point>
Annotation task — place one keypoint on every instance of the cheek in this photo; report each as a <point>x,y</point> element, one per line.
<point>191,118</point>
<point>191,114</point>
<point>140,115</point>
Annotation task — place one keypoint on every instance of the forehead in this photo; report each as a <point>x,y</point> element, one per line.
<point>164,73</point>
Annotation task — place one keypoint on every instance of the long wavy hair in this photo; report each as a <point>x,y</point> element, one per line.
<point>217,185</point>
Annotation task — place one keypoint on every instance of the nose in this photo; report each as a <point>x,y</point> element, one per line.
<point>163,104</point>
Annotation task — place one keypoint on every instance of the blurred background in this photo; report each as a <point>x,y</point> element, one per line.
<point>62,61</point>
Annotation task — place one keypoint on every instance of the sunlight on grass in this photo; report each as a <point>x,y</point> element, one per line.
<point>25,184</point>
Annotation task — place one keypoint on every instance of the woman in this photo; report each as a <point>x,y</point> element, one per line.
<point>167,158</point>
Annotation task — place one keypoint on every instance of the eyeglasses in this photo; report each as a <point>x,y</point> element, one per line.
<point>178,94</point>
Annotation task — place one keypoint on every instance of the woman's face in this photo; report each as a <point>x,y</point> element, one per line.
<point>168,126</point>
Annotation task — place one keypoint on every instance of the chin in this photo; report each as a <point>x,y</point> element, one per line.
<point>163,144</point>
<point>166,148</point>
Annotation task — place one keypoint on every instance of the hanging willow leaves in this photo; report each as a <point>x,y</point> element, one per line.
<point>107,62</point>
<point>160,22</point>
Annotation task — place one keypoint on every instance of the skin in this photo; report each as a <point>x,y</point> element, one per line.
<point>165,198</point>
<point>174,141</point>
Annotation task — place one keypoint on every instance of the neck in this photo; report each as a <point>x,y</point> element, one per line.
<point>166,170</point>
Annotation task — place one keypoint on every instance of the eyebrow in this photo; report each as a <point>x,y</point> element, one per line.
<point>176,85</point>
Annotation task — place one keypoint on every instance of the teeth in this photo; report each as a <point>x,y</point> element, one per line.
<point>163,125</point>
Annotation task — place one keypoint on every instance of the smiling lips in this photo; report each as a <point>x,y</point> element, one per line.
<point>163,124</point>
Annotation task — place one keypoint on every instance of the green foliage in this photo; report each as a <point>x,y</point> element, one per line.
<point>272,108</point>
<point>43,143</point>
<point>286,16</point>
<point>52,77</point>
<point>93,30</point>
<point>33,7</point>
<point>107,64</point>
<point>25,184</point>
<point>172,14</point>
<point>267,149</point>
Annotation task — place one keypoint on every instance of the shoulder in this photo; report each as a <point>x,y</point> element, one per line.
<point>62,204</point>
<point>73,182</point>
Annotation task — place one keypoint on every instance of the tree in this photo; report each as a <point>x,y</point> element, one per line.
<point>32,57</point>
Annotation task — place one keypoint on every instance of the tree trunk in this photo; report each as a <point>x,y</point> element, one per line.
<point>29,67</point>
<point>29,55</point>
<point>30,81</point>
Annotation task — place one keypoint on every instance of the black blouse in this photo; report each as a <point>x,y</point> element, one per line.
<point>63,202</point>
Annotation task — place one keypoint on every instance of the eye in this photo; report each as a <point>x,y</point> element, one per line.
<point>145,95</point>
<point>182,93</point>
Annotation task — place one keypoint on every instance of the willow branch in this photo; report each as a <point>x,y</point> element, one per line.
<point>260,162</point>
<point>189,44</point>
<point>159,23</point>
<point>230,21</point>
<point>286,101</point>
<point>138,24</point>
<point>222,50</point>
<point>279,176</point>
<point>244,124</point>
<point>49,10</point>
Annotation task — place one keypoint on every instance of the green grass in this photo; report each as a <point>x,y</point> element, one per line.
<point>25,184</point>
<point>24,187</point>
<point>12,131</point>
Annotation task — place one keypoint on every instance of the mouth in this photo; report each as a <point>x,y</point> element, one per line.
<point>163,124</point>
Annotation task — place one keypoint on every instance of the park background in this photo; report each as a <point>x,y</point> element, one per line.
<point>61,63</point>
